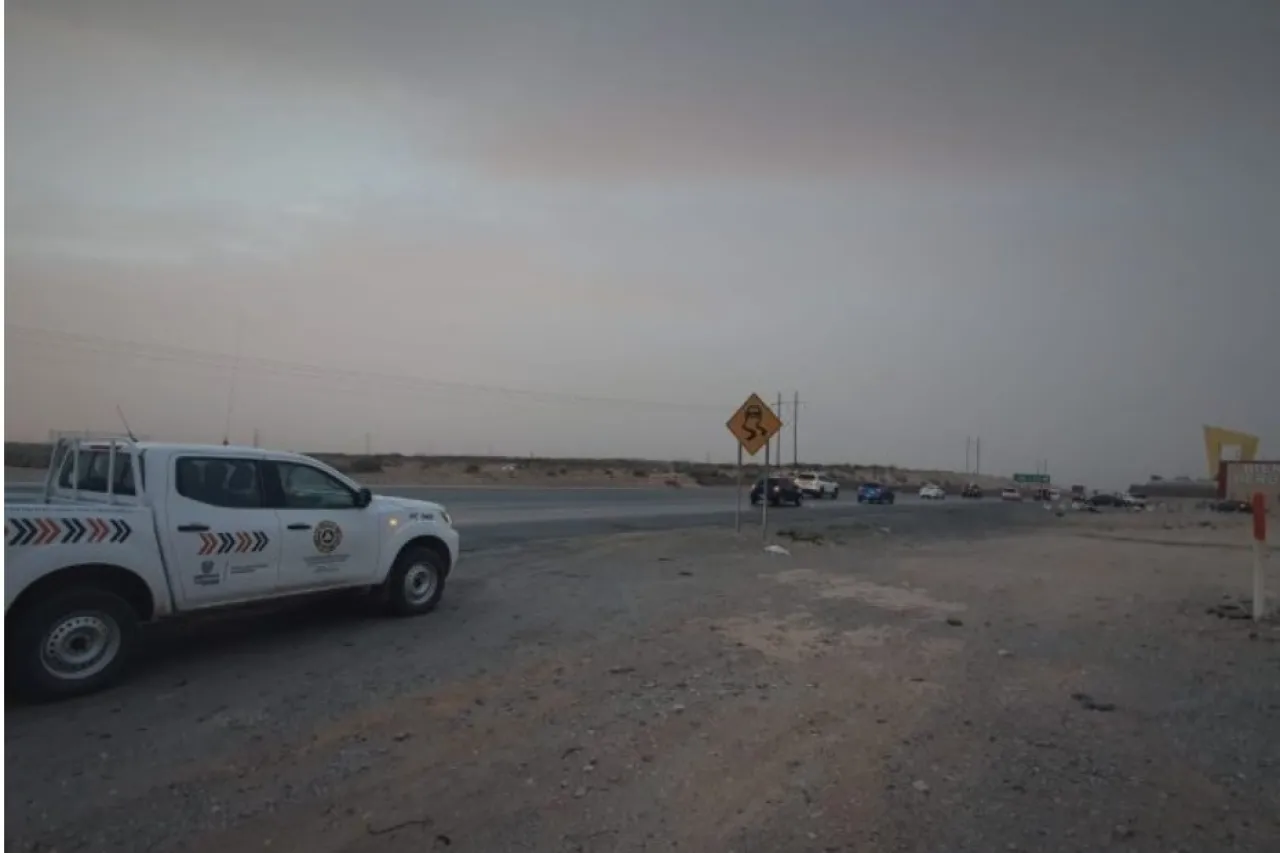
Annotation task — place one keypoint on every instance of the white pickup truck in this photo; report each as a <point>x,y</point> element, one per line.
<point>128,532</point>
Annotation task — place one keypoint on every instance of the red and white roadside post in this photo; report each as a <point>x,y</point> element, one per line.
<point>1259,554</point>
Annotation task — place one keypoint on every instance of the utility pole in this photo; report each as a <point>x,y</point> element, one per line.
<point>795,432</point>
<point>968,452</point>
<point>368,444</point>
<point>784,426</point>
<point>977,455</point>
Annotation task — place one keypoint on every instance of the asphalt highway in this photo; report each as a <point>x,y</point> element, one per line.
<point>501,516</point>
<point>493,517</point>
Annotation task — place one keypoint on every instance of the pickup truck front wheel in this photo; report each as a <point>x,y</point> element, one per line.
<point>72,643</point>
<point>416,581</point>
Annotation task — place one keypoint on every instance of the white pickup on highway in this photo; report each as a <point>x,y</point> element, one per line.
<point>127,532</point>
<point>816,485</point>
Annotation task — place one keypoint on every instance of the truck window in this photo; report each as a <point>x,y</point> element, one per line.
<point>94,466</point>
<point>305,487</point>
<point>220,481</point>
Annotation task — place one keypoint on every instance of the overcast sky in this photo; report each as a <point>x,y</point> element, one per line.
<point>588,227</point>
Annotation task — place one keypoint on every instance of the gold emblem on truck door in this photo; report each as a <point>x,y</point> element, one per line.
<point>328,537</point>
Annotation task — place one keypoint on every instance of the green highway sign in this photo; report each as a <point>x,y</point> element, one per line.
<point>1031,478</point>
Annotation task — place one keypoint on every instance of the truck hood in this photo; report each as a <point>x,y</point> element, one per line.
<point>391,503</point>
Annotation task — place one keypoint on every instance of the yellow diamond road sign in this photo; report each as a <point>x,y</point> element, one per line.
<point>754,424</point>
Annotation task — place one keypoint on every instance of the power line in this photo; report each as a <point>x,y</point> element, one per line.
<point>163,353</point>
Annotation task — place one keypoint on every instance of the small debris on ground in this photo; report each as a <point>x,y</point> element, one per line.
<point>801,536</point>
<point>1090,704</point>
<point>1229,610</point>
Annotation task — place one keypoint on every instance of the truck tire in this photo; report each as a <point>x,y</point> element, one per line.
<point>72,642</point>
<point>416,582</point>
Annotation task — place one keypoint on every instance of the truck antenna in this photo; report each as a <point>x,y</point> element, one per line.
<point>128,432</point>
<point>235,374</point>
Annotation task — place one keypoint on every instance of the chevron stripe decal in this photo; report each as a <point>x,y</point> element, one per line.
<point>21,532</point>
<point>237,542</point>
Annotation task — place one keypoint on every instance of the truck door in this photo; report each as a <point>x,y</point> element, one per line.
<point>327,539</point>
<point>224,537</point>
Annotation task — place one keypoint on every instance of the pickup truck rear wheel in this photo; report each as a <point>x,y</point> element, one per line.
<point>416,581</point>
<point>73,642</point>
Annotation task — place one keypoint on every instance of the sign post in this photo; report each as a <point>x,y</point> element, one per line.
<point>1259,555</point>
<point>753,424</point>
<point>737,507</point>
<point>764,496</point>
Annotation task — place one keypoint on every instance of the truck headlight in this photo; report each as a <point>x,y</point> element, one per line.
<point>444,515</point>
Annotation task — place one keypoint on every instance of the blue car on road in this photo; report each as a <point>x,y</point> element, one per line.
<point>875,493</point>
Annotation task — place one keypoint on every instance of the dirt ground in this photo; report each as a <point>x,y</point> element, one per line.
<point>1058,686</point>
<point>573,473</point>
<point>622,474</point>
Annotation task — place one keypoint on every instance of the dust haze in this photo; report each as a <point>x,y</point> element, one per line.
<point>583,228</point>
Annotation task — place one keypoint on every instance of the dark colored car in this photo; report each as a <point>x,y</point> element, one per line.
<point>782,490</point>
<point>1104,499</point>
<point>972,490</point>
<point>875,493</point>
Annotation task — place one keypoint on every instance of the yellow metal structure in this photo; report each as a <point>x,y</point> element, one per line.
<point>1217,439</point>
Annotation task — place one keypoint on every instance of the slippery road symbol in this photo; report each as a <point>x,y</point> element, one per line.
<point>752,416</point>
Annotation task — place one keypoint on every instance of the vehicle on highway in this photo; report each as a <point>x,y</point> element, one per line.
<point>932,492</point>
<point>971,490</point>
<point>875,493</point>
<point>1132,501</point>
<point>1010,493</point>
<point>1102,499</point>
<point>127,532</point>
<point>816,485</point>
<point>782,490</point>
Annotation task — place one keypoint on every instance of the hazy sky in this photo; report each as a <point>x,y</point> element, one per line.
<point>1052,224</point>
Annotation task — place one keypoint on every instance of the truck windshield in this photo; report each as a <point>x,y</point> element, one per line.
<point>94,465</point>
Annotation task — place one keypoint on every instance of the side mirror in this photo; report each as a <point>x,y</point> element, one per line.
<point>364,497</point>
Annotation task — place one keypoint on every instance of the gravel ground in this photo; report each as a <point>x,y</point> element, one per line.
<point>1024,683</point>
